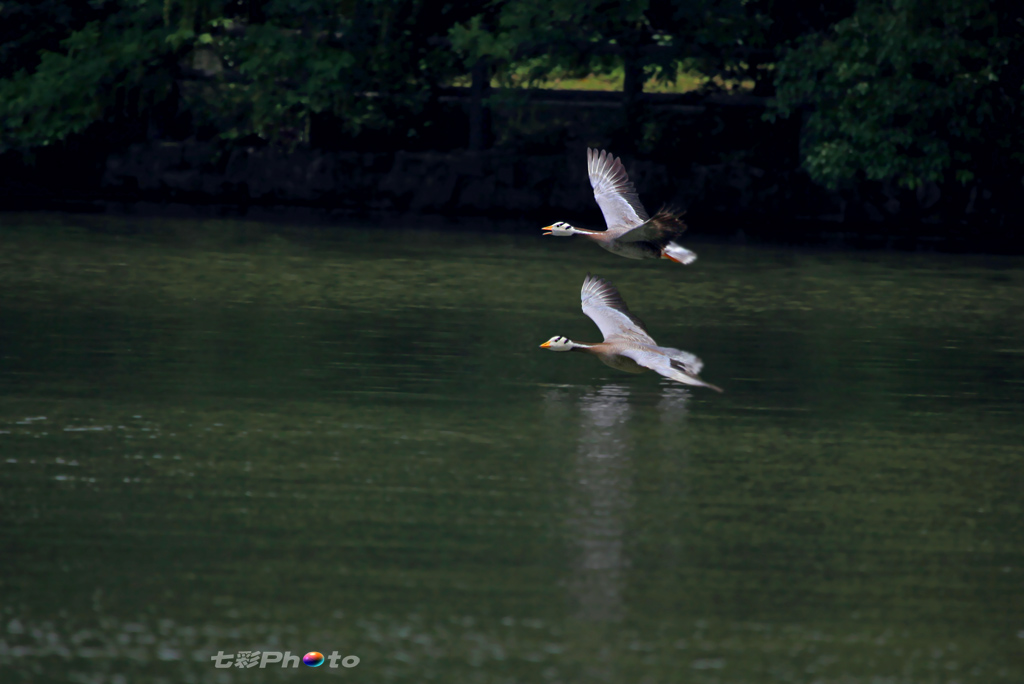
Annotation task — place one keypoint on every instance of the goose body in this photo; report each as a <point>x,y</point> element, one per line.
<point>627,346</point>
<point>631,232</point>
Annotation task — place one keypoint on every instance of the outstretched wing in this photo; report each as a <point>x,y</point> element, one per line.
<point>605,306</point>
<point>664,226</point>
<point>684,361</point>
<point>675,364</point>
<point>614,193</point>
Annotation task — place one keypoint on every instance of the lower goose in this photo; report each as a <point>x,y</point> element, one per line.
<point>627,346</point>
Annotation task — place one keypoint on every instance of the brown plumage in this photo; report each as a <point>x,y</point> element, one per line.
<point>627,346</point>
<point>631,232</point>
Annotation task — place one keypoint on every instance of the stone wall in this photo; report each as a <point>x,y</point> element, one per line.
<point>720,198</point>
<point>487,182</point>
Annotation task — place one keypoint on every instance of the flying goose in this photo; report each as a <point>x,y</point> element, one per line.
<point>631,232</point>
<point>627,346</point>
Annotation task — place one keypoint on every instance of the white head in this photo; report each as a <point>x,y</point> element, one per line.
<point>560,229</point>
<point>558,343</point>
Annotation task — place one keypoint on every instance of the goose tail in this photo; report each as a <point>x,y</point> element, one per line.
<point>678,253</point>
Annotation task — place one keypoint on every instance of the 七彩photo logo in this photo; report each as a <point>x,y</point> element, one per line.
<point>261,659</point>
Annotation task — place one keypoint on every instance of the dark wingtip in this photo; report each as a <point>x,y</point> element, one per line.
<point>669,208</point>
<point>670,214</point>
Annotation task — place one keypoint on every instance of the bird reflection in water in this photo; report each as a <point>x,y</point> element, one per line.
<point>615,427</point>
<point>601,485</point>
<point>602,479</point>
<point>672,409</point>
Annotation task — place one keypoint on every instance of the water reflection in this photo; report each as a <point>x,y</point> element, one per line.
<point>601,484</point>
<point>245,441</point>
<point>670,441</point>
<point>602,478</point>
<point>672,406</point>
<point>617,426</point>
<point>670,445</point>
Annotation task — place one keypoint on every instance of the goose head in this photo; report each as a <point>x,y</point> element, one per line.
<point>559,343</point>
<point>560,229</point>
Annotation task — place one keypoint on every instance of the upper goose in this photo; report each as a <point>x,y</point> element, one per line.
<point>627,346</point>
<point>631,232</point>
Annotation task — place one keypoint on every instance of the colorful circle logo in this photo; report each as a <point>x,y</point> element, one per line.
<point>313,658</point>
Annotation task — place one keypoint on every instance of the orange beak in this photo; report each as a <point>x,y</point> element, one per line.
<point>548,228</point>
<point>546,345</point>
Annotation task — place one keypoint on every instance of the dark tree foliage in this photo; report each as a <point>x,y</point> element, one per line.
<point>29,28</point>
<point>239,68</point>
<point>908,90</point>
<point>103,63</point>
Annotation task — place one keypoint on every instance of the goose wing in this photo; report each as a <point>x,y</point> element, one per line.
<point>613,191</point>
<point>664,226</point>
<point>674,364</point>
<point>603,304</point>
<point>683,360</point>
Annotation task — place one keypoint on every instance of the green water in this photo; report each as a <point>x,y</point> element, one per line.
<point>224,436</point>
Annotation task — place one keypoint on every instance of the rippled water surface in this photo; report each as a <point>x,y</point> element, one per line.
<point>219,436</point>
